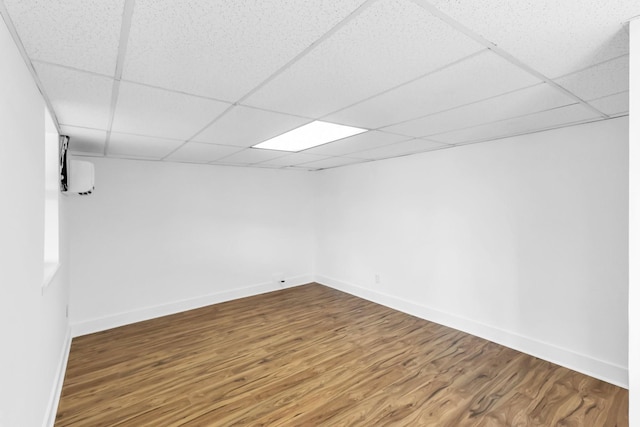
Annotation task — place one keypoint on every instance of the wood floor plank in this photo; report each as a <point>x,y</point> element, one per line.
<point>311,356</point>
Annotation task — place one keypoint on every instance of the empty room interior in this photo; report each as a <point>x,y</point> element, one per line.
<point>296,213</point>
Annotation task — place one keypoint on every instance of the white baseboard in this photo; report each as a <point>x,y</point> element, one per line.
<point>56,390</point>
<point>596,368</point>
<point>145,313</point>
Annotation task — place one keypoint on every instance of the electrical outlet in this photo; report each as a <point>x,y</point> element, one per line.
<point>66,311</point>
<point>377,278</point>
<point>278,279</point>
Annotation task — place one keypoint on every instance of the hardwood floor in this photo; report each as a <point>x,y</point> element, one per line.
<point>312,356</point>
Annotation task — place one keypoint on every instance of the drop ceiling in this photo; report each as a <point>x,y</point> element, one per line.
<point>205,80</point>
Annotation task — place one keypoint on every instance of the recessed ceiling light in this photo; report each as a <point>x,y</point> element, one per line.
<point>310,135</point>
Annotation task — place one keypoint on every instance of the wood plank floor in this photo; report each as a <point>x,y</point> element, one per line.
<point>312,356</point>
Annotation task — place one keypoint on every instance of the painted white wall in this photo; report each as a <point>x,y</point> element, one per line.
<point>521,240</point>
<point>155,238</point>
<point>634,225</point>
<point>33,325</point>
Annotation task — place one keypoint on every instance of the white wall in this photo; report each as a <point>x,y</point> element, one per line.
<point>33,326</point>
<point>155,238</point>
<point>634,225</point>
<point>521,240</point>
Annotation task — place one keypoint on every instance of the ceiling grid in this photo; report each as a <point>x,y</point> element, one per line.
<point>205,81</point>
<point>122,51</point>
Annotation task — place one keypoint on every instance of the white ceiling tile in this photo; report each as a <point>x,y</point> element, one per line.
<point>223,48</point>
<point>603,79</point>
<point>150,147</point>
<point>293,159</point>
<point>612,104</point>
<point>536,98</point>
<point>332,162</point>
<point>400,148</point>
<point>245,127</point>
<point>78,99</point>
<point>78,33</point>
<point>532,122</point>
<point>353,144</point>
<point>472,79</point>
<point>253,155</point>
<point>156,112</point>
<point>554,37</point>
<point>198,152</point>
<point>82,140</point>
<point>390,43</point>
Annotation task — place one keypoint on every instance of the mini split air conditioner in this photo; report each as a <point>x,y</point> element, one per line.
<point>76,176</point>
<point>81,178</point>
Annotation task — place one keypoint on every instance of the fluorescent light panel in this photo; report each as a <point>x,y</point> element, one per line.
<point>310,135</point>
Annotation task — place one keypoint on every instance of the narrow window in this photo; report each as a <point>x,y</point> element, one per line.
<point>51,192</point>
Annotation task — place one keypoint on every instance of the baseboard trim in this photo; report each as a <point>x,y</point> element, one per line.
<point>587,365</point>
<point>90,326</point>
<point>56,390</point>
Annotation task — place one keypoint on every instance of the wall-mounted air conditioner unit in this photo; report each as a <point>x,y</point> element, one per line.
<point>76,176</point>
